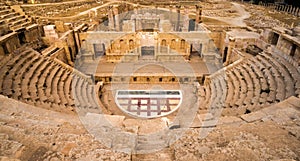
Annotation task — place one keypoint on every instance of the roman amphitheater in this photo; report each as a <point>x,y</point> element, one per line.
<point>149,80</point>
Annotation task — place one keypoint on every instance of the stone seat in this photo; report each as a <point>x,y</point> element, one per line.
<point>145,143</point>
<point>5,59</point>
<point>15,18</point>
<point>48,83</point>
<point>278,84</point>
<point>8,15</point>
<point>92,96</point>
<point>18,22</point>
<point>230,91</point>
<point>207,94</point>
<point>223,88</point>
<point>76,86</point>
<point>4,70</point>
<point>23,74</point>
<point>8,80</point>
<point>67,89</point>
<point>236,85</point>
<point>36,80</point>
<point>43,87</point>
<point>283,69</point>
<point>28,76</point>
<point>50,89</point>
<point>249,84</point>
<point>258,70</point>
<point>214,94</point>
<point>293,67</point>
<point>219,92</point>
<point>54,86</point>
<point>256,83</point>
<point>20,26</point>
<point>263,82</point>
<point>61,84</point>
<point>243,87</point>
<point>33,82</point>
<point>3,7</point>
<point>291,60</point>
<point>270,78</point>
<point>5,11</point>
<point>41,95</point>
<point>43,104</point>
<point>83,85</point>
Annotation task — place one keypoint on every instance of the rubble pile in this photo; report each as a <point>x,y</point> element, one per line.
<point>259,19</point>
<point>69,9</point>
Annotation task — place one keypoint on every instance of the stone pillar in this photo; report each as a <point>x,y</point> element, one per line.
<point>188,51</point>
<point>293,10</point>
<point>185,21</point>
<point>279,8</point>
<point>168,51</point>
<point>198,14</point>
<point>117,21</point>
<point>64,44</point>
<point>111,23</point>
<point>290,9</point>
<point>159,49</point>
<point>285,8</point>
<point>178,17</point>
<point>135,10</point>
<point>229,51</point>
<point>171,13</point>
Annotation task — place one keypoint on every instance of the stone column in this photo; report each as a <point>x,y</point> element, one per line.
<point>178,17</point>
<point>198,14</point>
<point>296,11</point>
<point>229,51</point>
<point>67,51</point>
<point>159,49</point>
<point>281,7</point>
<point>293,11</point>
<point>111,23</point>
<point>186,21</point>
<point>168,51</point>
<point>135,10</point>
<point>117,21</point>
<point>170,12</point>
<point>277,7</point>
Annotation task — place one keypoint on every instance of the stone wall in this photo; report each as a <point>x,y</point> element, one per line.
<point>9,43</point>
<point>61,55</point>
<point>287,41</point>
<point>149,79</point>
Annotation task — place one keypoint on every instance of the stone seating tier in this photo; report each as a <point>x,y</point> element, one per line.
<point>40,81</point>
<point>255,82</point>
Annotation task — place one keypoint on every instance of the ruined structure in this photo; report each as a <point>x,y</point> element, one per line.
<point>110,80</point>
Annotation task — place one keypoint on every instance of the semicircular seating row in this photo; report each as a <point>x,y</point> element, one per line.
<point>43,82</point>
<point>12,18</point>
<point>252,84</point>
